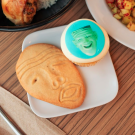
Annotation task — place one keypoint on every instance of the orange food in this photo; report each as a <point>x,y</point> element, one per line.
<point>124,10</point>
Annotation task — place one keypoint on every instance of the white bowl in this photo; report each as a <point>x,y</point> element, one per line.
<point>102,14</point>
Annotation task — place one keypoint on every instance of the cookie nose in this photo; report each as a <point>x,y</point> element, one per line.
<point>58,82</point>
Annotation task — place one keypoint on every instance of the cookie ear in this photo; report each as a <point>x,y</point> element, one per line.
<point>75,43</point>
<point>73,33</point>
<point>95,35</point>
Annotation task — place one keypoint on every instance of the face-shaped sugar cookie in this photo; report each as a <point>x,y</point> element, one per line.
<point>46,74</point>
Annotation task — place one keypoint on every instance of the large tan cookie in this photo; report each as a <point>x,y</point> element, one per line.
<point>46,74</point>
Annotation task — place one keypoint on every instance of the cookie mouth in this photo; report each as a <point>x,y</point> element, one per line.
<point>72,92</point>
<point>87,46</point>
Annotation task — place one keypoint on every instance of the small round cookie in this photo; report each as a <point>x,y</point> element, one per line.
<point>84,42</point>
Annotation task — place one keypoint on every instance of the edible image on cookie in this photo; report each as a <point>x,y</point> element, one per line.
<point>84,39</point>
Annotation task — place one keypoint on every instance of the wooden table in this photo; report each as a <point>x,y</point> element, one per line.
<point>116,117</point>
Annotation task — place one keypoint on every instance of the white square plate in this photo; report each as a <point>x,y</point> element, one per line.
<point>101,81</point>
<point>103,15</point>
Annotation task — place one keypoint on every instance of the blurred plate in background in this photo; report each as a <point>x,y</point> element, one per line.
<point>42,17</point>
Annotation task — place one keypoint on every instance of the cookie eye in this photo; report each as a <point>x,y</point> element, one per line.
<point>34,81</point>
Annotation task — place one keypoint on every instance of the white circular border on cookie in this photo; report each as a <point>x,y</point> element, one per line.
<point>80,60</point>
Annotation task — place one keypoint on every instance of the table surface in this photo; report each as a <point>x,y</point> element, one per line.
<point>115,117</point>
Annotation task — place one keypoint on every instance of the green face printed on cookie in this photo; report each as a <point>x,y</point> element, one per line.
<point>86,40</point>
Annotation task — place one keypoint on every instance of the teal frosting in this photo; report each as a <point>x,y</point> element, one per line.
<point>84,39</point>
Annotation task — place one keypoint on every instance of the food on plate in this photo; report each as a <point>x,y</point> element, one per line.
<point>21,12</point>
<point>84,42</point>
<point>124,10</point>
<point>46,74</point>
<point>45,4</point>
